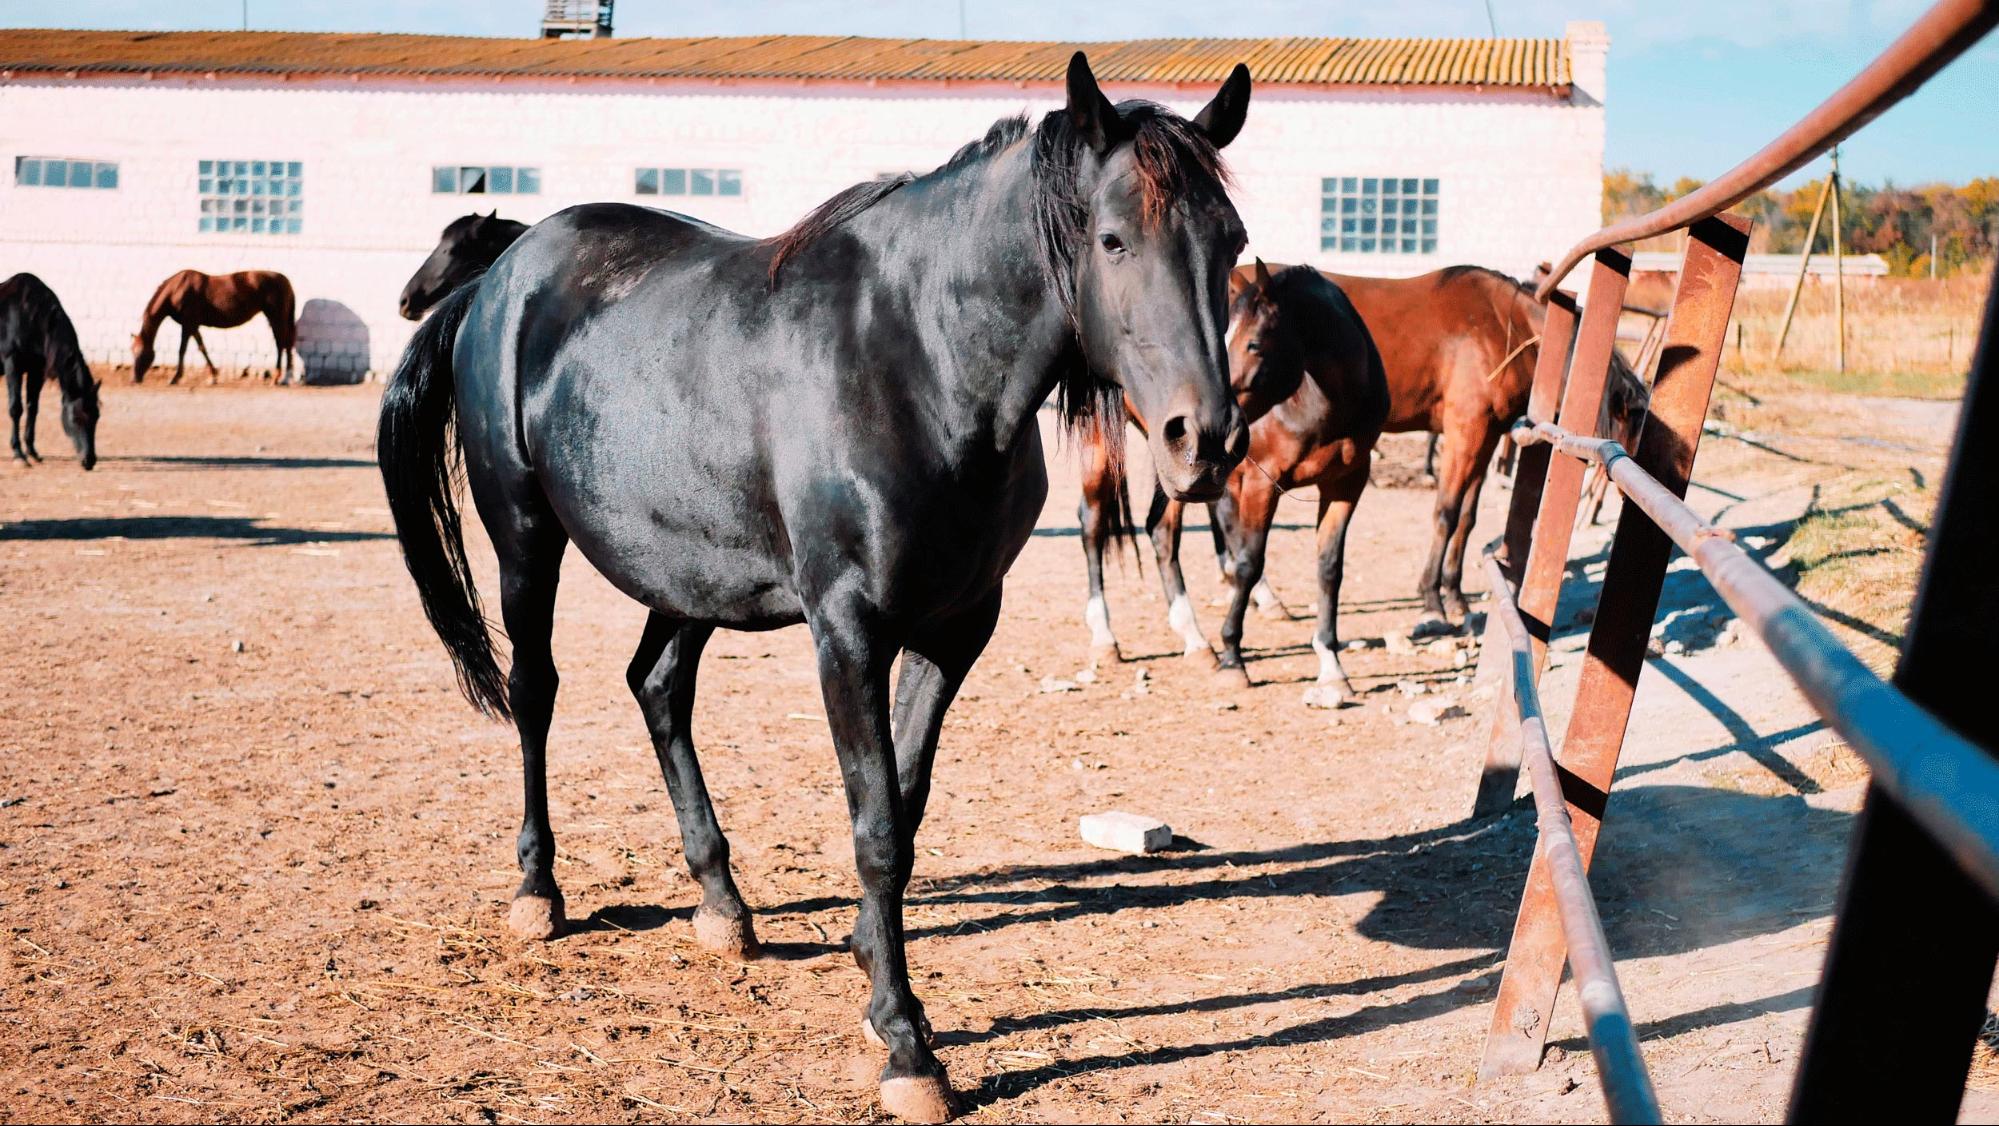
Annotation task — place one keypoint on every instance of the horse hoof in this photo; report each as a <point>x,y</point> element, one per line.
<point>919,1098</point>
<point>536,918</point>
<point>729,936</point>
<point>1200,656</point>
<point>1330,695</point>
<point>1233,676</point>
<point>1273,611</point>
<point>869,1034</point>
<point>1106,655</point>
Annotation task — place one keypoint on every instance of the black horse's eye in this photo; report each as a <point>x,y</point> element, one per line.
<point>1112,243</point>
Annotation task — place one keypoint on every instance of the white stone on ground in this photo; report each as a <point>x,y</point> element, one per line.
<point>1125,832</point>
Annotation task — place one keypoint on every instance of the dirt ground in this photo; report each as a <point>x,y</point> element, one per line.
<point>255,853</point>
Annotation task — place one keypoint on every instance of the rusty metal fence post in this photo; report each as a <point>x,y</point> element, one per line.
<point>1560,490</point>
<point>1912,954</point>
<point>1695,338</point>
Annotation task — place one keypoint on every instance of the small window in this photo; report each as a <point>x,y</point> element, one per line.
<point>64,172</point>
<point>258,197</point>
<point>1378,214</point>
<point>484,179</point>
<point>687,181</point>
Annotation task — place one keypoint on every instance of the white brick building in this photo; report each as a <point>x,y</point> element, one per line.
<point>337,159</point>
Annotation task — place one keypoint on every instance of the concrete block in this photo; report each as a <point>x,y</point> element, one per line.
<point>1126,832</point>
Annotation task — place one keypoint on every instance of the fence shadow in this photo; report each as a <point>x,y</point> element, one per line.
<point>245,528</point>
<point>169,463</point>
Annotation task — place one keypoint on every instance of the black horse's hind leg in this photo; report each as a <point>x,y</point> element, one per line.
<point>32,409</point>
<point>14,409</point>
<point>530,554</point>
<point>662,677</point>
<point>1162,523</point>
<point>853,671</point>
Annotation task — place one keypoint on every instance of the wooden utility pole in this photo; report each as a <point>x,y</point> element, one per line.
<point>1838,267</point>
<point>1804,264</point>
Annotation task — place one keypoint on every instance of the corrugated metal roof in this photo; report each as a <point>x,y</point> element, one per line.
<point>1516,63</point>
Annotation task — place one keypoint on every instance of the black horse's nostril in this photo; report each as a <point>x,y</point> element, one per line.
<point>1177,432</point>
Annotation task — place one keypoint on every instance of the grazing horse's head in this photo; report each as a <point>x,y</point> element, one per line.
<point>1143,235</point>
<point>468,246</point>
<point>79,419</point>
<point>142,358</point>
<point>1266,362</point>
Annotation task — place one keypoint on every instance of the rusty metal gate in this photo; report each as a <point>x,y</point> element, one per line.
<point>1917,932</point>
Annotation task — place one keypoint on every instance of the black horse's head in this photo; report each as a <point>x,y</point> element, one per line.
<point>79,419</point>
<point>1147,237</point>
<point>468,246</point>
<point>1266,360</point>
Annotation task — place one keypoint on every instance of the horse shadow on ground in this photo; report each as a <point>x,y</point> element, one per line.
<point>248,529</point>
<point>1681,868</point>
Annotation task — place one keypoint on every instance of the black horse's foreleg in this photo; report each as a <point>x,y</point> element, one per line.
<point>1337,499</point>
<point>14,410</point>
<point>934,665</point>
<point>32,410</point>
<point>662,678</point>
<point>529,568</point>
<point>1162,523</point>
<point>854,665</point>
<point>1249,507</point>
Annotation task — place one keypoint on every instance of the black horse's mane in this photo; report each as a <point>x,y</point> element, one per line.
<point>60,349</point>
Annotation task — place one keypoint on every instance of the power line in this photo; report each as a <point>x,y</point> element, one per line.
<point>1490,21</point>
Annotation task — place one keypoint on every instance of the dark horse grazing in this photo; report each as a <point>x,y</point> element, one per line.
<point>195,300</point>
<point>836,427</point>
<point>1305,368</point>
<point>38,342</point>
<point>469,244</point>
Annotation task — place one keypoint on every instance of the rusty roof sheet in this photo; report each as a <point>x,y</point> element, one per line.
<point>1517,63</point>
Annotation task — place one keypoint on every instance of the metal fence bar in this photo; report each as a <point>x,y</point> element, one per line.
<point>1911,958</point>
<point>1927,768</point>
<point>1613,1039</point>
<point>1943,33</point>
<point>1615,655</point>
<point>1561,490</point>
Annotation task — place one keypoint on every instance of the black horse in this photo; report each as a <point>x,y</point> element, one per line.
<point>37,342</point>
<point>469,244</point>
<point>837,427</point>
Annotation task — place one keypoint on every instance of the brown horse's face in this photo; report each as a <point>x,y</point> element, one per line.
<point>142,359</point>
<point>1264,364</point>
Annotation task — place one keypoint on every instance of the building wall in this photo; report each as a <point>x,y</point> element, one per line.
<point>1520,174</point>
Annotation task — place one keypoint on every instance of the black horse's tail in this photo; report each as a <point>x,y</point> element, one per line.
<point>419,455</point>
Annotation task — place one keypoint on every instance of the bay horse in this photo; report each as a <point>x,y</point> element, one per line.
<point>195,300</point>
<point>469,244</point>
<point>1304,367</point>
<point>838,427</point>
<point>1458,348</point>
<point>38,343</point>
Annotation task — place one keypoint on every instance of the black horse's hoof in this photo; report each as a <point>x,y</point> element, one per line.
<point>731,936</point>
<point>537,918</point>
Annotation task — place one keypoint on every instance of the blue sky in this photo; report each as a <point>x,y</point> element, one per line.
<point>1695,85</point>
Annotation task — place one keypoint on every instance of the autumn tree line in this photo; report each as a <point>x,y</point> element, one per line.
<point>1895,222</point>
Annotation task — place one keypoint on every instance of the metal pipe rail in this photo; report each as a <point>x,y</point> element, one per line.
<point>1913,756</point>
<point>1613,1039</point>
<point>1930,44</point>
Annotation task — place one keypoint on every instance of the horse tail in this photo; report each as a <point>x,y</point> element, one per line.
<point>419,456</point>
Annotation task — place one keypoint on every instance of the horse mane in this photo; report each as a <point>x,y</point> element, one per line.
<point>1174,160</point>
<point>60,350</point>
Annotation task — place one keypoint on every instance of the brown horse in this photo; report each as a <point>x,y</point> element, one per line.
<point>1458,347</point>
<point>1304,367</point>
<point>195,300</point>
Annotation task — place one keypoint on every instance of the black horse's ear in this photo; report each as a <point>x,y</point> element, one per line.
<point>1092,114</point>
<point>1222,118</point>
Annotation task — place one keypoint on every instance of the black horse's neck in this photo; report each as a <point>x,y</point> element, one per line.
<point>990,321</point>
